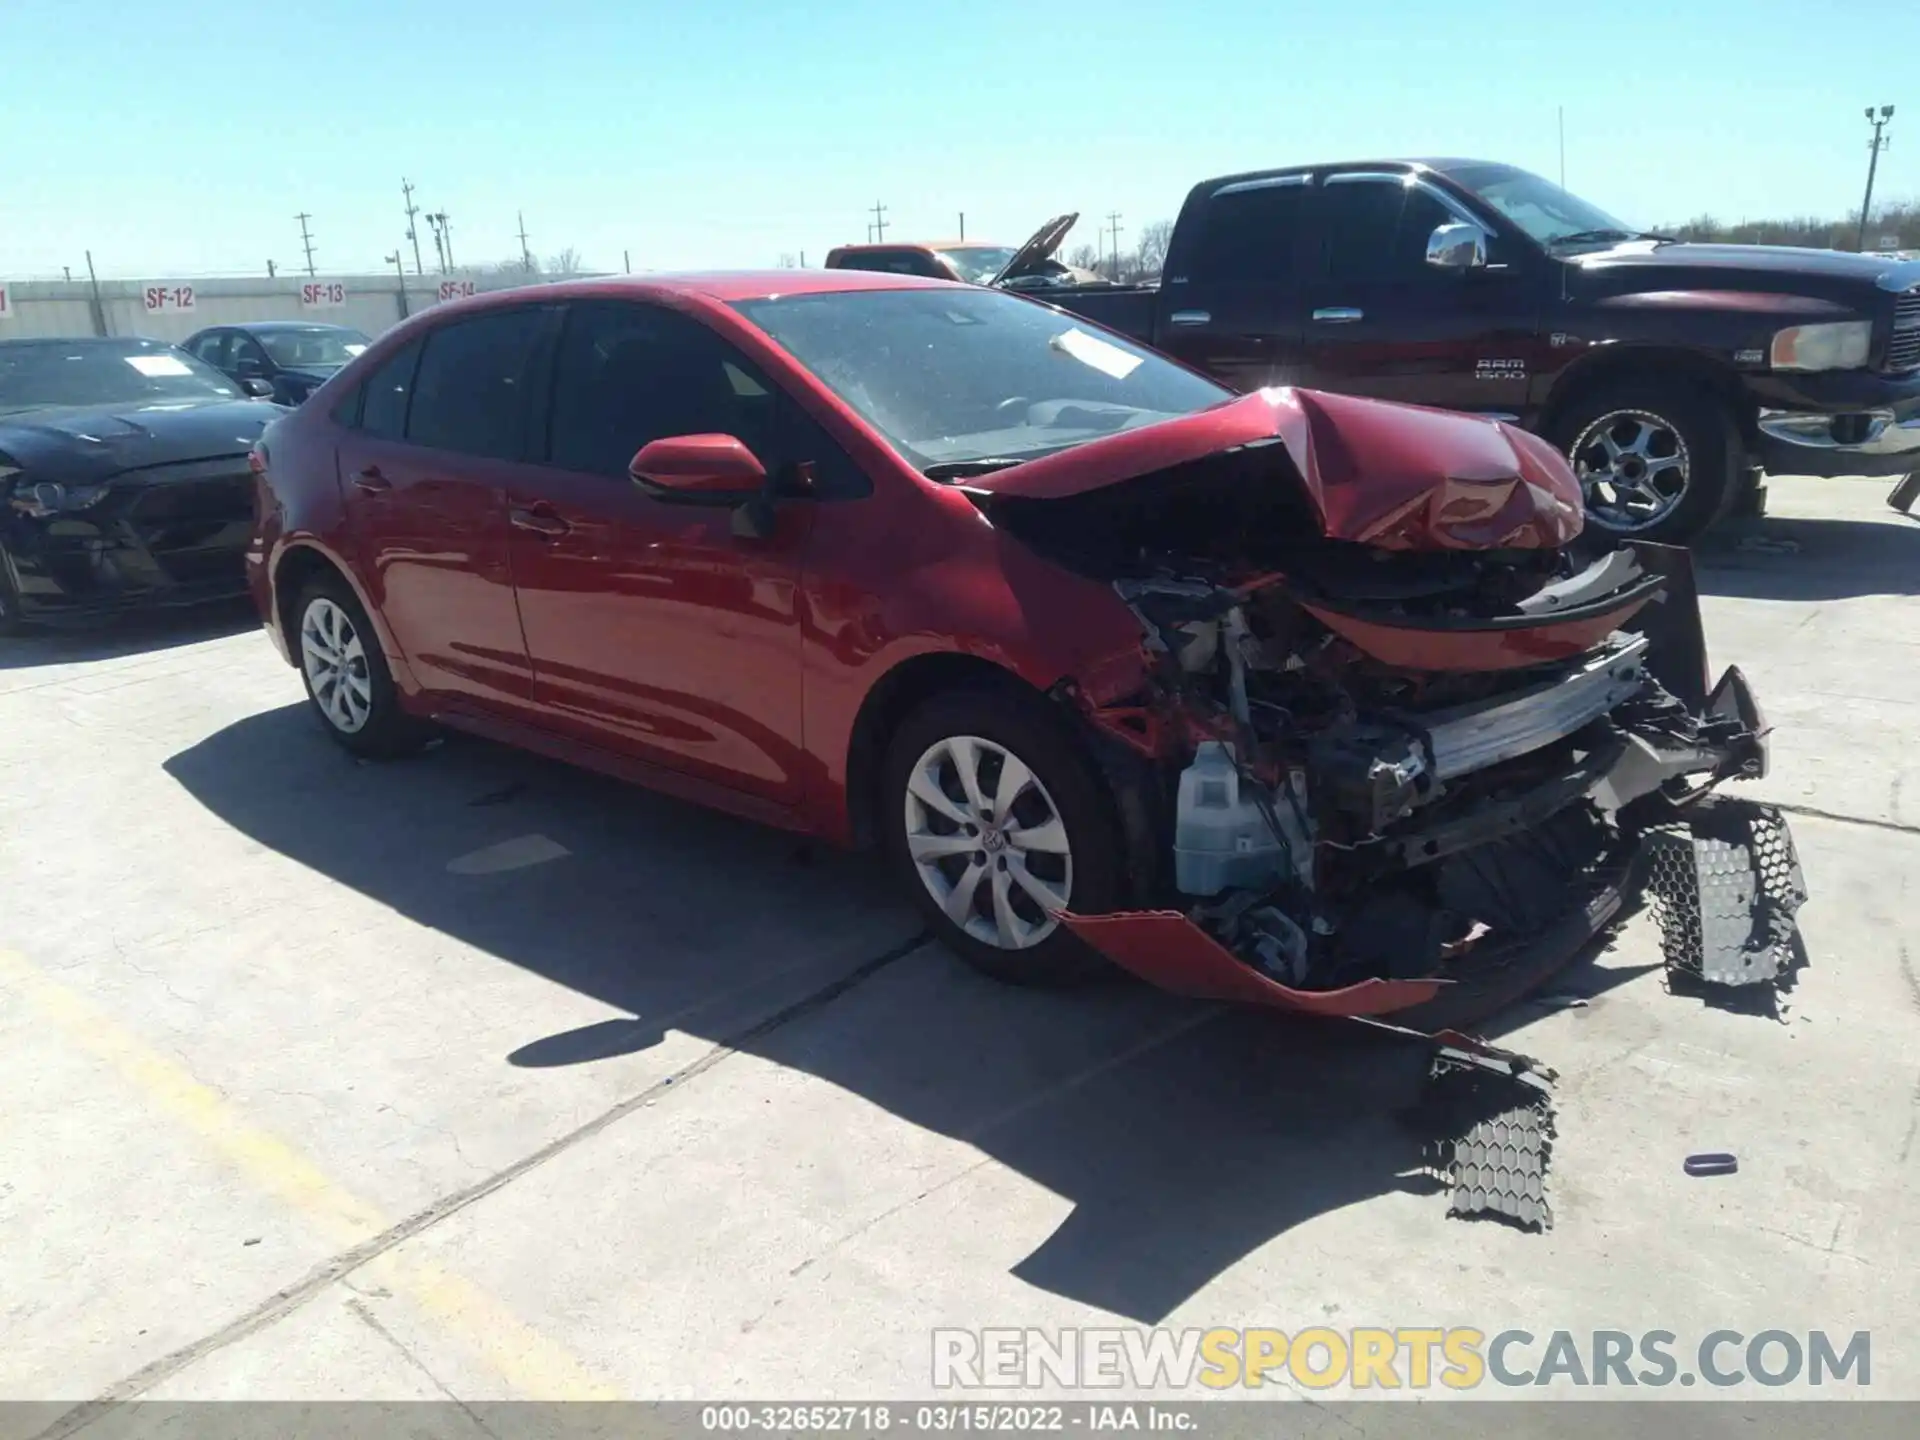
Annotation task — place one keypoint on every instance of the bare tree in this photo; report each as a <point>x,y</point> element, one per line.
<point>1083,257</point>
<point>1151,253</point>
<point>567,262</point>
<point>787,262</point>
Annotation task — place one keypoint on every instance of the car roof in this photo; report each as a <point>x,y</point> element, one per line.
<point>921,245</point>
<point>1440,164</point>
<point>724,286</point>
<point>269,327</point>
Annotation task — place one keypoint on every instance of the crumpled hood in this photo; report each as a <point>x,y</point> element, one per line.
<point>1397,477</point>
<point>95,441</point>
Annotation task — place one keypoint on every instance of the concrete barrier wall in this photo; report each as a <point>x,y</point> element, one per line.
<point>372,303</point>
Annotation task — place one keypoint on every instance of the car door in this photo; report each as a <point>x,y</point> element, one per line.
<point>1381,321</point>
<point>248,359</point>
<point>653,628</point>
<point>212,347</point>
<point>1231,305</point>
<point>442,427</point>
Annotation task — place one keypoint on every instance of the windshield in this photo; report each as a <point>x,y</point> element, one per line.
<point>977,264</point>
<point>315,349</point>
<point>1541,208</point>
<point>36,373</point>
<point>952,376</point>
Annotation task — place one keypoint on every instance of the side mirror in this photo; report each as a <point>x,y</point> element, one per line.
<point>699,470</point>
<point>246,367</point>
<point>1457,246</point>
<point>256,387</point>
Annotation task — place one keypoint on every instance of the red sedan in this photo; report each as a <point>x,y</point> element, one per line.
<point>1312,701</point>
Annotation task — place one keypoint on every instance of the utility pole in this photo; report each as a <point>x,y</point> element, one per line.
<point>400,269</point>
<point>69,270</point>
<point>306,239</point>
<point>1874,147</point>
<point>626,261</point>
<point>406,189</point>
<point>1113,224</point>
<point>1563,147</point>
<point>270,269</point>
<point>963,224</point>
<point>439,245</point>
<point>526,255</point>
<point>879,227</point>
<point>446,229</point>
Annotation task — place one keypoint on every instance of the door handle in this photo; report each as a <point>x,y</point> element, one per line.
<point>370,481</point>
<point>1189,317</point>
<point>1339,315</point>
<point>540,519</point>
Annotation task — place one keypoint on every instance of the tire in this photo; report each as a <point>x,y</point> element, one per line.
<point>11,623</point>
<point>1657,459</point>
<point>346,675</point>
<point>1078,861</point>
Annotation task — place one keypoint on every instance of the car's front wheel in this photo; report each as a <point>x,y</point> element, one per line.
<point>346,674</point>
<point>996,824</point>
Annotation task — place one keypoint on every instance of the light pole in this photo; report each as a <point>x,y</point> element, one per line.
<point>1874,147</point>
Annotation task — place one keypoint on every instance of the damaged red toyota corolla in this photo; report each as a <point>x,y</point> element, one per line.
<point>1316,702</point>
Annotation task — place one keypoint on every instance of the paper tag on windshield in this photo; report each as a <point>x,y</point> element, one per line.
<point>154,366</point>
<point>1092,350</point>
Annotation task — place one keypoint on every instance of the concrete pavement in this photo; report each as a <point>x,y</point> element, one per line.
<point>476,1076</point>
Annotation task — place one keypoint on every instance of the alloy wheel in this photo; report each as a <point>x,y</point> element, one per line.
<point>987,841</point>
<point>1633,468</point>
<point>336,664</point>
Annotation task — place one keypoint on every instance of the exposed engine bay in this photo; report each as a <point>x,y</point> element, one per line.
<point>1385,772</point>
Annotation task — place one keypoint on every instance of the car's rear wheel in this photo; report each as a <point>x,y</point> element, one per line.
<point>995,824</point>
<point>346,674</point>
<point>1655,459</point>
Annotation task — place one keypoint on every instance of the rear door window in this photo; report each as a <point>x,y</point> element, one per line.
<point>1251,234</point>
<point>470,391</point>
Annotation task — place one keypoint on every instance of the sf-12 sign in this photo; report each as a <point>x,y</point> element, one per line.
<point>455,289</point>
<point>159,298</point>
<point>323,295</point>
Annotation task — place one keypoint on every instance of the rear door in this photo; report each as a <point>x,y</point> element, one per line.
<point>442,431</point>
<point>1231,305</point>
<point>1383,322</point>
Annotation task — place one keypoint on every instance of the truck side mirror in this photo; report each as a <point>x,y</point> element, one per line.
<point>1457,246</point>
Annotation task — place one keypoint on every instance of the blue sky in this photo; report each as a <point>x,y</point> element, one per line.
<point>182,139</point>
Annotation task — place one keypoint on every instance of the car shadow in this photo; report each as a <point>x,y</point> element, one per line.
<point>137,633</point>
<point>1185,1135</point>
<point>1781,557</point>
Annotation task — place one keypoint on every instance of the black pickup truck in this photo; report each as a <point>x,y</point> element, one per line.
<point>1672,374</point>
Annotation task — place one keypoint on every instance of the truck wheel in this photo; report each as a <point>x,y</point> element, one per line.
<point>1655,459</point>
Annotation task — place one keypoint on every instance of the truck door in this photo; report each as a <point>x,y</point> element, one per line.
<point>1381,321</point>
<point>1232,302</point>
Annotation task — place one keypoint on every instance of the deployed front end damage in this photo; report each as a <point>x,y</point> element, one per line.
<point>1409,740</point>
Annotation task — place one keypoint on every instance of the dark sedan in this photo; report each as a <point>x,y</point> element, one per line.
<point>123,478</point>
<point>294,357</point>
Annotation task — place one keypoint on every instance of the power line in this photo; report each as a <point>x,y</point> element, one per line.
<point>406,189</point>
<point>306,240</point>
<point>1874,147</point>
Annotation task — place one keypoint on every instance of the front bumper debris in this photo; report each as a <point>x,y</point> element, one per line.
<point>1726,884</point>
<point>1490,1119</point>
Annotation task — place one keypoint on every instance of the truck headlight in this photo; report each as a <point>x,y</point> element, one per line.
<point>1823,347</point>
